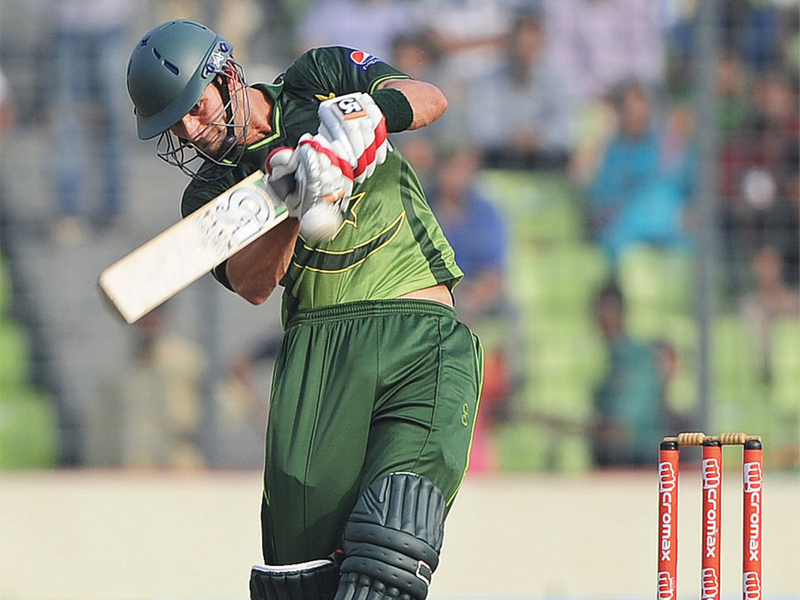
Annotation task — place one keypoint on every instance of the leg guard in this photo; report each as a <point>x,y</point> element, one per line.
<point>313,580</point>
<point>392,540</point>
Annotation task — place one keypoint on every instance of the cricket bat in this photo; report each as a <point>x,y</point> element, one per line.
<point>180,255</point>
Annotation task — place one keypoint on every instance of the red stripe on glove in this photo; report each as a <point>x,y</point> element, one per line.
<point>368,157</point>
<point>344,165</point>
<point>268,163</point>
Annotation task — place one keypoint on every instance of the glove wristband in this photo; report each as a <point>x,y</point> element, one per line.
<point>395,107</point>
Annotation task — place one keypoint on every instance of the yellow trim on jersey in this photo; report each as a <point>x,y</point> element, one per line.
<point>397,225</point>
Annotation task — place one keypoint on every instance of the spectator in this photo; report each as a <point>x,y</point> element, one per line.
<point>596,45</point>
<point>470,34</point>
<point>782,221</point>
<point>7,118</point>
<point>527,120</point>
<point>478,233</point>
<point>753,27</point>
<point>7,108</point>
<point>475,228</point>
<point>8,115</point>
<point>243,372</point>
<point>89,105</point>
<point>630,402</point>
<point>469,38</point>
<point>640,194</point>
<point>416,54</point>
<point>776,99</point>
<point>369,25</point>
<point>733,89</point>
<point>767,133</point>
<point>757,30</point>
<point>756,172</point>
<point>152,411</point>
<point>770,300</point>
<point>243,19</point>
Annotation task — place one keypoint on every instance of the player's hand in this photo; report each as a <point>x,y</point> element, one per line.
<point>310,174</point>
<point>322,175</point>
<point>356,129</point>
<point>281,167</point>
<point>324,185</point>
<point>316,184</point>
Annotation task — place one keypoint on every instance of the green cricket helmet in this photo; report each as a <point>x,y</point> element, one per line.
<point>169,70</point>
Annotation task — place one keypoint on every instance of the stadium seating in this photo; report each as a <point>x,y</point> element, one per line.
<point>539,204</point>
<point>28,427</point>
<point>737,388</point>
<point>783,404</point>
<point>657,280</point>
<point>553,276</point>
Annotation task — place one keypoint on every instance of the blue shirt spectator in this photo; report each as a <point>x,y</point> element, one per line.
<point>633,197</point>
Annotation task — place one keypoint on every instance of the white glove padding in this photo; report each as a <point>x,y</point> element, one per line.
<point>322,175</point>
<point>314,172</point>
<point>356,128</point>
<point>281,166</point>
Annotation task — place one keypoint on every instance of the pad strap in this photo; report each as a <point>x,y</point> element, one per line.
<point>312,580</point>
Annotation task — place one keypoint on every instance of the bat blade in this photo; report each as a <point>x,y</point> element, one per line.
<point>180,255</point>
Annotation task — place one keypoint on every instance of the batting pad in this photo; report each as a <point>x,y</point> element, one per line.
<point>392,540</point>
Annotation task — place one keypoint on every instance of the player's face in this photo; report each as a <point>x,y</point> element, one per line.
<point>204,125</point>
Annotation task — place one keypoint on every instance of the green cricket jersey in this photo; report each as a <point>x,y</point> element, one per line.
<point>390,243</point>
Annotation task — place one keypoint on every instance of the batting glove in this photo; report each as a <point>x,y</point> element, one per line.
<point>281,167</point>
<point>356,129</point>
<point>315,172</point>
<point>322,176</point>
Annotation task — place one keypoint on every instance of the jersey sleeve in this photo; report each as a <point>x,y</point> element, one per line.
<point>331,71</point>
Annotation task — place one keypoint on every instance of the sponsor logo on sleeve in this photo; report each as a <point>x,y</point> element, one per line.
<point>363,59</point>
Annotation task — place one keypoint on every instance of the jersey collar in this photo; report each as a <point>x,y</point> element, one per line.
<point>271,91</point>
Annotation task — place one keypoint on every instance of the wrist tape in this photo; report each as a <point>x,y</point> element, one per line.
<point>395,107</point>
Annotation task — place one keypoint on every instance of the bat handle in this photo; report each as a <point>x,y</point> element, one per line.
<point>282,187</point>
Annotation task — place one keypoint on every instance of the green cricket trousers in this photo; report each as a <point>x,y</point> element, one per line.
<point>362,390</point>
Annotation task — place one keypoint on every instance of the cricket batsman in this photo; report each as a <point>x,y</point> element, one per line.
<point>377,382</point>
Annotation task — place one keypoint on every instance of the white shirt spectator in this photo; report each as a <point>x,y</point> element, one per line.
<point>597,44</point>
<point>473,30</point>
<point>368,25</point>
<point>91,15</point>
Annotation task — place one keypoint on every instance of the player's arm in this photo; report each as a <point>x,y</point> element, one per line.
<point>316,185</point>
<point>426,101</point>
<point>255,271</point>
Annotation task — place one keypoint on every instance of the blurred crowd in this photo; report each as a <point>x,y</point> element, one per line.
<point>601,93</point>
